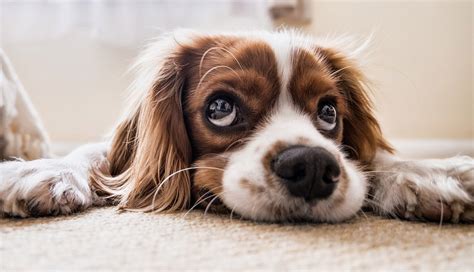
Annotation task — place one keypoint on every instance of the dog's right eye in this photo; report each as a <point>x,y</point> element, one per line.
<point>222,112</point>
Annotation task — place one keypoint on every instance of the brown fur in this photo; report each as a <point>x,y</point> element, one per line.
<point>253,79</point>
<point>255,189</point>
<point>149,147</point>
<point>210,175</point>
<point>207,185</point>
<point>361,133</point>
<point>167,132</point>
<point>311,82</point>
<point>267,162</point>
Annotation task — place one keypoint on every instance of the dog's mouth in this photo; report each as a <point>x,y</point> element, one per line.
<point>210,202</point>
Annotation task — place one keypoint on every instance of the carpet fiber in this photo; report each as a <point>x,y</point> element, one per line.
<point>103,239</point>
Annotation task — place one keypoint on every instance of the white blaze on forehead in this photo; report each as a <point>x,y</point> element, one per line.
<point>282,46</point>
<point>282,49</point>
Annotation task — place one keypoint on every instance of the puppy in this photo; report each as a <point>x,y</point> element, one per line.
<point>270,126</point>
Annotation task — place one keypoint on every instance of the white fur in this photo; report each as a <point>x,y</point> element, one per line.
<point>422,186</point>
<point>50,186</point>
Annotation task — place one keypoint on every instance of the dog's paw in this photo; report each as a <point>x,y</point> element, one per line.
<point>42,187</point>
<point>433,190</point>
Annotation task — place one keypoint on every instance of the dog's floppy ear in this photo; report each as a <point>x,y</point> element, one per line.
<point>150,145</point>
<point>361,131</point>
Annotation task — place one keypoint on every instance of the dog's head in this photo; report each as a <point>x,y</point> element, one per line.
<point>267,125</point>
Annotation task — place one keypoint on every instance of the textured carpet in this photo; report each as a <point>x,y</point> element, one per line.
<point>102,239</point>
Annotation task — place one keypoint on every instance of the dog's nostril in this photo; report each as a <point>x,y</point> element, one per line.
<point>332,173</point>
<point>330,179</point>
<point>308,172</point>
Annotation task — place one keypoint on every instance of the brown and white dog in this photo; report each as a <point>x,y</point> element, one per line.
<point>271,126</point>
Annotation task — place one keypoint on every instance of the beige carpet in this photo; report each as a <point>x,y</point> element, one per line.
<point>103,239</point>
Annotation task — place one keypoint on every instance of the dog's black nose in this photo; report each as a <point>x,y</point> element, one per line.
<point>308,172</point>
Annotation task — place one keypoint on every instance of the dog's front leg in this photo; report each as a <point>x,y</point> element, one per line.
<point>51,186</point>
<point>434,190</point>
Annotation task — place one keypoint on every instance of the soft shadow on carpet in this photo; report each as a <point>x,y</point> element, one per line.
<point>103,239</point>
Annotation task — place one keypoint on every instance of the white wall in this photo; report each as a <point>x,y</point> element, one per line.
<point>76,84</point>
<point>421,63</point>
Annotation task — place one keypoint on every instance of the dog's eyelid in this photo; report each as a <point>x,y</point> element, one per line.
<point>224,91</point>
<point>329,99</point>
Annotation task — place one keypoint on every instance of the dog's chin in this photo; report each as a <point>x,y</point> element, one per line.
<point>296,210</point>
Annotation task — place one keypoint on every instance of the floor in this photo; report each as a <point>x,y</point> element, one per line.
<point>103,239</point>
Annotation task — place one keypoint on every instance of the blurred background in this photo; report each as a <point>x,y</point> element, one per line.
<point>72,56</point>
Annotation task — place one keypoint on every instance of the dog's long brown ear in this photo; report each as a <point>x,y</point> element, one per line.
<point>362,133</point>
<point>150,145</point>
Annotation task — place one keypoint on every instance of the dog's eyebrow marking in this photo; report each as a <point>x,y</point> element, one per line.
<point>214,68</point>
<point>215,48</point>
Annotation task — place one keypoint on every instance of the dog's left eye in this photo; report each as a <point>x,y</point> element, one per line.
<point>222,112</point>
<point>327,116</point>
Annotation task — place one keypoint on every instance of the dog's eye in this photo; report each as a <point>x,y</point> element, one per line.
<point>327,116</point>
<point>221,112</point>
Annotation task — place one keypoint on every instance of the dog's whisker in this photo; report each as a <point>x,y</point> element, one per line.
<point>232,213</point>
<point>363,214</point>
<point>379,171</point>
<point>175,173</point>
<point>200,200</point>
<point>210,203</point>
<point>204,56</point>
<point>333,74</point>
<point>351,148</point>
<point>234,143</point>
<point>214,68</point>
<point>216,48</point>
<point>377,205</point>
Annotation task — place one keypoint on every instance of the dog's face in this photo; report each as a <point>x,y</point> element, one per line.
<point>269,124</point>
